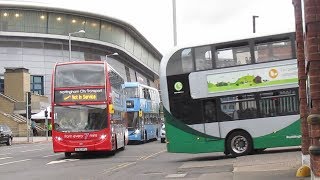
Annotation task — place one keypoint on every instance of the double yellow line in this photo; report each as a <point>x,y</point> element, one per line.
<point>123,165</point>
<point>152,155</point>
<point>120,166</point>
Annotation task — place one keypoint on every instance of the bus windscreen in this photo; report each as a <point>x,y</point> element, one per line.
<point>80,118</point>
<point>74,75</point>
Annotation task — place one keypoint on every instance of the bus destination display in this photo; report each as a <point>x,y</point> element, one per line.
<point>79,95</point>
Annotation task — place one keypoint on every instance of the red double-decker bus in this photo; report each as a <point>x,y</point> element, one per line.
<point>88,108</point>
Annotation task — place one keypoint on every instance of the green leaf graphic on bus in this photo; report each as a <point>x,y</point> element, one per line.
<point>262,77</point>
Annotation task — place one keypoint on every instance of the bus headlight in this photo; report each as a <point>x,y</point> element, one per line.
<point>58,138</point>
<point>103,136</point>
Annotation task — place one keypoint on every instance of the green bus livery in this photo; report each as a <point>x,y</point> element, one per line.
<point>235,97</point>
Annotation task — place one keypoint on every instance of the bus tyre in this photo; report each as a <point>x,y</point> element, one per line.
<point>9,142</point>
<point>259,150</point>
<point>239,143</point>
<point>124,144</point>
<point>157,134</point>
<point>67,154</point>
<point>145,137</point>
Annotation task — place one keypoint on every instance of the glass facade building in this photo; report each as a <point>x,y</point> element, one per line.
<point>37,38</point>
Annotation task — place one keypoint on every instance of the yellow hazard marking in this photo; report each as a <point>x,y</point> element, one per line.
<point>303,171</point>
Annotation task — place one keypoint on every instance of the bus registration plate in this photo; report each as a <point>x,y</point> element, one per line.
<point>80,149</point>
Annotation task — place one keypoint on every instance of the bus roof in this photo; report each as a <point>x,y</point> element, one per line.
<point>136,84</point>
<point>80,62</point>
<point>227,41</point>
<point>243,38</point>
<point>131,84</point>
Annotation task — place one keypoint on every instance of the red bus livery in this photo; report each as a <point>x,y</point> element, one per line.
<point>88,108</point>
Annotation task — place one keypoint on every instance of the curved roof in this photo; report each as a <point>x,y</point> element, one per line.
<point>46,7</point>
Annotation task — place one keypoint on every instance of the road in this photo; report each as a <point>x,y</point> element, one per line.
<point>145,161</point>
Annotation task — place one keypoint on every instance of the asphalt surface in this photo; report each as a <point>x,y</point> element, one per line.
<point>145,161</point>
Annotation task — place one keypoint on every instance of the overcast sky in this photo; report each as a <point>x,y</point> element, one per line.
<point>198,21</point>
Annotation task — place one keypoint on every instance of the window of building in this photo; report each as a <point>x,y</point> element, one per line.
<point>115,80</point>
<point>127,74</point>
<point>2,84</point>
<point>92,28</point>
<point>36,85</point>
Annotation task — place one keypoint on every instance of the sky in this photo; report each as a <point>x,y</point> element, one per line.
<point>198,21</point>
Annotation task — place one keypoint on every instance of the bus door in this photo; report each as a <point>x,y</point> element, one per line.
<point>211,123</point>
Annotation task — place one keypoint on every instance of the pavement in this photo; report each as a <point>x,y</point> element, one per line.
<point>273,164</point>
<point>35,139</point>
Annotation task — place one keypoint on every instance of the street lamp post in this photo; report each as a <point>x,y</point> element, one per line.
<point>81,31</point>
<point>174,22</point>
<point>113,54</point>
<point>254,23</point>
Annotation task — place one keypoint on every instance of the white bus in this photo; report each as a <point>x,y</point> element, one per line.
<point>233,97</point>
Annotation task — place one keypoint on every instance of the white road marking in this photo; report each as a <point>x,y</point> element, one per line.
<point>152,155</point>
<point>4,154</point>
<point>14,162</point>
<point>51,155</point>
<point>176,175</point>
<point>120,166</point>
<point>19,147</point>
<point>128,156</point>
<point>5,158</point>
<point>141,157</point>
<point>62,161</point>
<point>33,150</point>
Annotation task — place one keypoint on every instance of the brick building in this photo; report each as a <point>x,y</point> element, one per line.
<point>307,16</point>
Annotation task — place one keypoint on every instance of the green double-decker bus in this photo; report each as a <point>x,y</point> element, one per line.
<point>235,97</point>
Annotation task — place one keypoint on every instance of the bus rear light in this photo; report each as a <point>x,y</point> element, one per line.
<point>103,136</point>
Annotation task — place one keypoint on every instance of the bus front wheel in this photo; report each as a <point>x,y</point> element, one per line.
<point>67,154</point>
<point>124,144</point>
<point>239,143</point>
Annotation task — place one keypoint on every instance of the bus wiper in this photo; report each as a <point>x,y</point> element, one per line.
<point>84,105</point>
<point>67,131</point>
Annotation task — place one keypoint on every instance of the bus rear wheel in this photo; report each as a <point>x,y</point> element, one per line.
<point>145,137</point>
<point>239,143</point>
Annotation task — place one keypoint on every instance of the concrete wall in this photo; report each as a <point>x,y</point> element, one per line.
<point>16,83</point>
<point>14,126</point>
<point>22,129</point>
<point>6,105</point>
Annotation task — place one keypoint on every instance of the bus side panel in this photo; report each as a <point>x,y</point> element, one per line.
<point>289,136</point>
<point>183,139</point>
